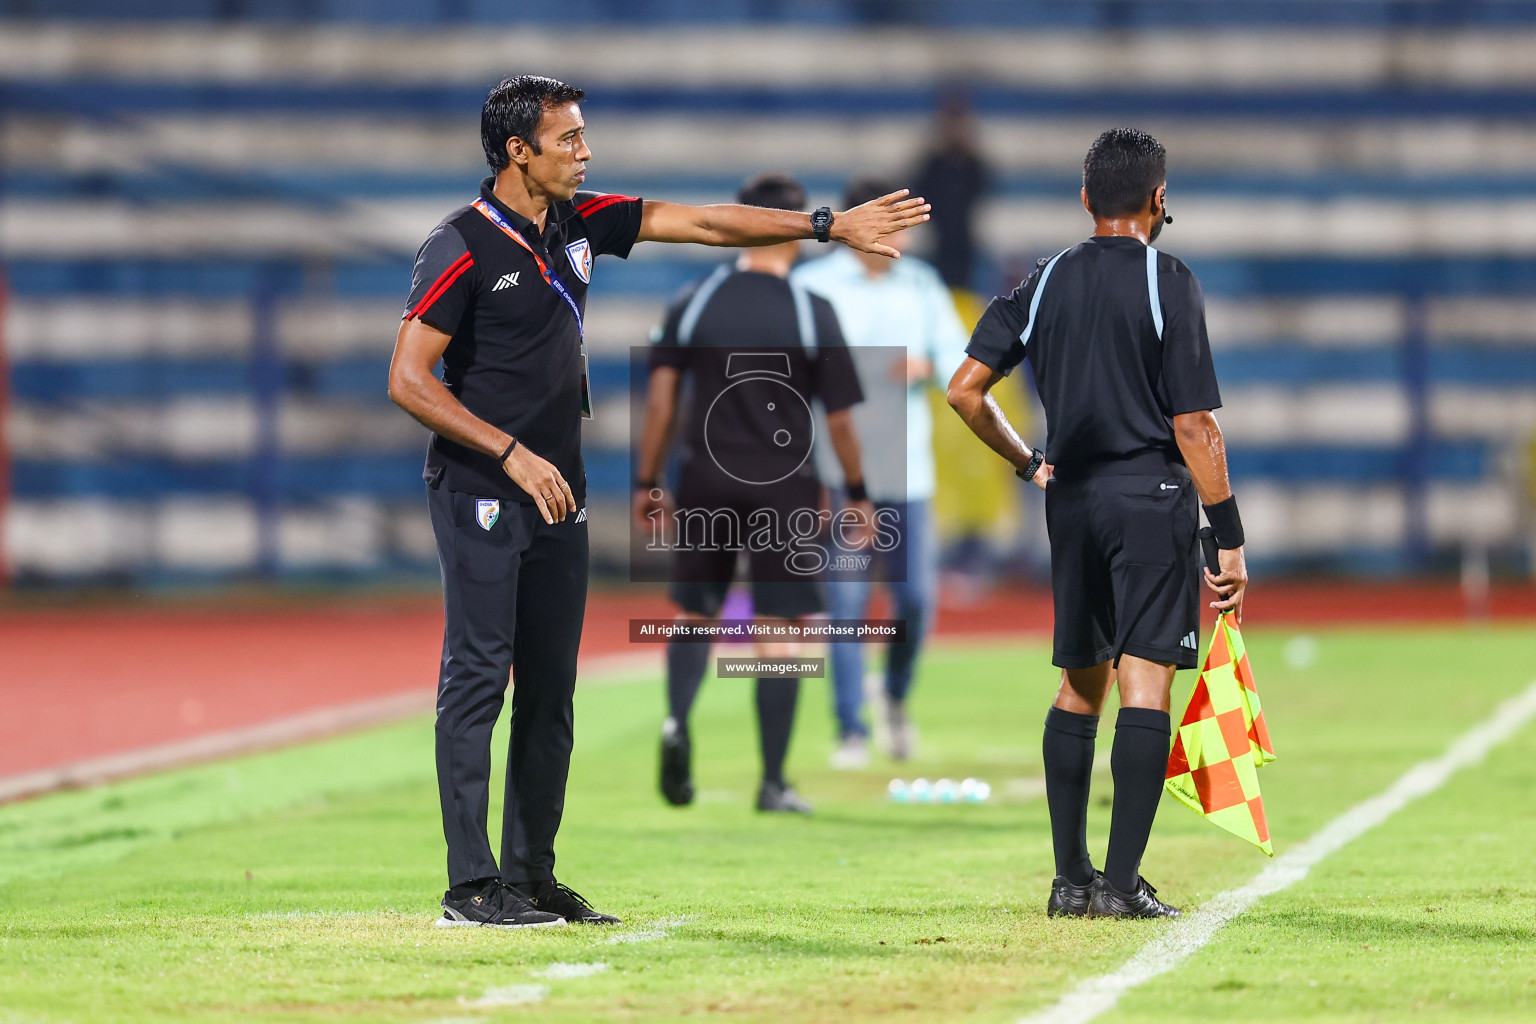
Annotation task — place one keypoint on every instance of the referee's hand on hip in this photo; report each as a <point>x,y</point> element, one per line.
<point>543,483</point>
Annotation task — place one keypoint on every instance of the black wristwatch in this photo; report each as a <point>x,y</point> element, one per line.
<point>821,224</point>
<point>1035,462</point>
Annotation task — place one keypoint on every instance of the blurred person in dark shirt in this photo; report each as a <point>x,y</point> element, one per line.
<point>954,178</point>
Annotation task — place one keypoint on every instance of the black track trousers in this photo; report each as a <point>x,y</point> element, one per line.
<point>514,596</point>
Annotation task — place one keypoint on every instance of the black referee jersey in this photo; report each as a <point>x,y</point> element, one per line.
<point>1115,334</point>
<point>760,352</point>
<point>515,357</point>
<point>745,337</point>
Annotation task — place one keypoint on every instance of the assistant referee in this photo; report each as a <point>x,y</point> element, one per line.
<point>498,295</point>
<point>1115,334</point>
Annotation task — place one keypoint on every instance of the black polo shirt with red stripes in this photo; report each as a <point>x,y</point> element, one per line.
<point>515,355</point>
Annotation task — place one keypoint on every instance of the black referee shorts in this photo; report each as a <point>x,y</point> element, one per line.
<point>702,575</point>
<point>1124,568</point>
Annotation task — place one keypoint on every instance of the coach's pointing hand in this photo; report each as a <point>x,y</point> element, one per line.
<point>543,483</point>
<point>1232,582</point>
<point>863,226</point>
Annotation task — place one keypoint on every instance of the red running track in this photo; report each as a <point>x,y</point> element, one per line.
<point>83,683</point>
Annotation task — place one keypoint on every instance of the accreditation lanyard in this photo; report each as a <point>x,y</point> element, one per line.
<point>545,271</point>
<point>553,280</point>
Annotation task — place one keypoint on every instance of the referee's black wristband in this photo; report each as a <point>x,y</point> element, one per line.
<point>858,492</point>
<point>507,452</point>
<point>1226,524</point>
<point>645,485</point>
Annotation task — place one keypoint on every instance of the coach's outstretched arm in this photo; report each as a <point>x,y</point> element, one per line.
<point>741,226</point>
<point>969,394</point>
<point>1205,453</point>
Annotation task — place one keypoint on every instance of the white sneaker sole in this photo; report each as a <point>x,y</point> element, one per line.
<point>848,762</point>
<point>448,922</point>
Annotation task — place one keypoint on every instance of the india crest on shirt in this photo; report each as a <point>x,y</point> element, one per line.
<point>487,511</point>
<point>580,254</point>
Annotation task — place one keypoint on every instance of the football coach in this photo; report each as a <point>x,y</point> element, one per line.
<point>1115,334</point>
<point>498,294</point>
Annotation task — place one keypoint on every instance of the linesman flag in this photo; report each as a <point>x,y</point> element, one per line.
<point>1222,741</point>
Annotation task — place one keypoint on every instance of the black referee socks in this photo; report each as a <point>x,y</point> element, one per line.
<point>1139,761</point>
<point>1068,750</point>
<point>776,699</point>
<point>685,674</point>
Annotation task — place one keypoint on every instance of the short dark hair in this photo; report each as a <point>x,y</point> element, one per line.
<point>514,108</point>
<point>861,188</point>
<point>1124,167</point>
<point>775,191</point>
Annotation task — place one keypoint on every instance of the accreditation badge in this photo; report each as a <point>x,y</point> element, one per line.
<point>586,390</point>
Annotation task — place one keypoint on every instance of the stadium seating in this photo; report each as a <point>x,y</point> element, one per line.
<point>208,230</point>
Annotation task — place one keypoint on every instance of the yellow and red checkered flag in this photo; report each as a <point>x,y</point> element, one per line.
<point>1222,741</point>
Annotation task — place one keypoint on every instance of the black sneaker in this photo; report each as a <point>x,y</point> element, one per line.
<point>493,906</point>
<point>1069,900</point>
<point>676,764</point>
<point>561,899</point>
<point>1108,901</point>
<point>782,799</point>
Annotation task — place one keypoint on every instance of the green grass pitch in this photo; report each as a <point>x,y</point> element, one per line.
<point>301,885</point>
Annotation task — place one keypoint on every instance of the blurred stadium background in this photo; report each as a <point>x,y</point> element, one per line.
<point>210,207</point>
<point>208,210</point>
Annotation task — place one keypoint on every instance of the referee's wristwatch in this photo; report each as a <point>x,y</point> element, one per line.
<point>1035,462</point>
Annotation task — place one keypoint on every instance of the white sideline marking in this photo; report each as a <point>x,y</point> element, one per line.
<point>608,670</point>
<point>562,972</point>
<point>658,930</point>
<point>1186,936</point>
<point>512,995</point>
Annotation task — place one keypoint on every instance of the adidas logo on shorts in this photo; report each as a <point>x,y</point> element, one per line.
<point>1191,640</point>
<point>581,516</point>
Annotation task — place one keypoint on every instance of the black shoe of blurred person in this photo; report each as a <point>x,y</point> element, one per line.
<point>1108,901</point>
<point>676,764</point>
<point>555,898</point>
<point>489,904</point>
<point>1068,900</point>
<point>780,798</point>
